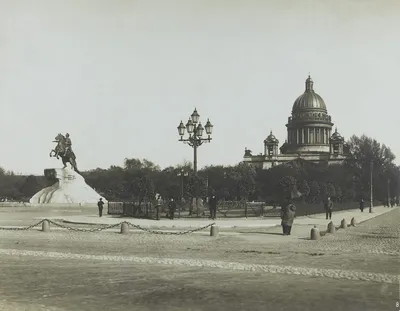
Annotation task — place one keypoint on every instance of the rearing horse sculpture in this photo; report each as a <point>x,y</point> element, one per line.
<point>59,151</point>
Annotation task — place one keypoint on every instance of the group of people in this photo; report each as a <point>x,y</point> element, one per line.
<point>288,213</point>
<point>212,202</point>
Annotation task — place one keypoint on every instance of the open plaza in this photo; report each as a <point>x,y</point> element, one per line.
<point>250,265</point>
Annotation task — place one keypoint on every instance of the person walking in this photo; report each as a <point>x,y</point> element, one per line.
<point>213,206</point>
<point>328,208</point>
<point>288,214</point>
<point>362,205</point>
<point>171,208</point>
<point>100,206</point>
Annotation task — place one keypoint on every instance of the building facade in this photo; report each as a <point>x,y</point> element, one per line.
<point>309,135</point>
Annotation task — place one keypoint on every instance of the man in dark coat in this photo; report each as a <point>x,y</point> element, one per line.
<point>328,208</point>
<point>171,208</point>
<point>362,205</point>
<point>288,213</point>
<point>213,206</point>
<point>100,206</point>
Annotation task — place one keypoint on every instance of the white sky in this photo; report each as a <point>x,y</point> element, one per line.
<point>120,75</point>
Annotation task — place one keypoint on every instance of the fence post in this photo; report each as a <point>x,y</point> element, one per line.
<point>315,234</point>
<point>45,226</point>
<point>331,228</point>
<point>124,228</point>
<point>214,230</point>
<point>245,209</point>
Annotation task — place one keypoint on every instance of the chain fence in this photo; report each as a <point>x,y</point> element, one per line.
<point>106,227</point>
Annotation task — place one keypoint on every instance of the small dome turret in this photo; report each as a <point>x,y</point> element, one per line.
<point>336,136</point>
<point>271,140</point>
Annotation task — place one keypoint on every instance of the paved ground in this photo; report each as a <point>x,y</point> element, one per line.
<point>254,269</point>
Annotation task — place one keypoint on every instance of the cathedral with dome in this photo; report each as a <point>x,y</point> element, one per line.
<point>309,136</point>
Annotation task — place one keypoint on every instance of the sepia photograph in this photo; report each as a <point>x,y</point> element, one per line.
<point>199,155</point>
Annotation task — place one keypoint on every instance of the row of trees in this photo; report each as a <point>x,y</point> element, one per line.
<point>140,180</point>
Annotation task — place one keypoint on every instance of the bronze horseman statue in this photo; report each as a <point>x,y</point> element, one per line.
<point>64,150</point>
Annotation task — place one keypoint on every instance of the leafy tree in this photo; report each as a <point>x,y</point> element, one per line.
<point>242,180</point>
<point>323,190</point>
<point>30,186</point>
<point>287,185</point>
<point>368,156</point>
<point>314,192</point>
<point>304,188</point>
<point>132,164</point>
<point>196,187</point>
<point>142,189</point>
<point>338,193</point>
<point>331,191</point>
<point>173,191</point>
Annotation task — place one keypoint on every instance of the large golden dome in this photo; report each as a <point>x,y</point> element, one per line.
<point>309,100</point>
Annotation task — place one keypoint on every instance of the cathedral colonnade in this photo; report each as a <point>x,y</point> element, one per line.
<point>309,135</point>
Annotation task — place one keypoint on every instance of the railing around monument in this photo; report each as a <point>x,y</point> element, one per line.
<point>131,209</point>
<point>225,209</point>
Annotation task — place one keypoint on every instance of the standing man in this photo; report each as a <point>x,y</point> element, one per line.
<point>328,208</point>
<point>362,205</point>
<point>100,206</point>
<point>213,206</point>
<point>171,208</point>
<point>158,206</point>
<point>288,213</point>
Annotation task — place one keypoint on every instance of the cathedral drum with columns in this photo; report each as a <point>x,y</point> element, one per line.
<point>309,136</point>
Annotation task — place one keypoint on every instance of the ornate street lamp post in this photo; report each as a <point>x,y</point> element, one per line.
<point>371,186</point>
<point>195,131</point>
<point>182,174</point>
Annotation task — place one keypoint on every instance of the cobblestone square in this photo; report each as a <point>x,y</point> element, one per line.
<point>253,269</point>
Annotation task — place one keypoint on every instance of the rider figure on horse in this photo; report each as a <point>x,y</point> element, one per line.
<point>68,144</point>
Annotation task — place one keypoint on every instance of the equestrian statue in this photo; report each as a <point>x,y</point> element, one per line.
<point>64,150</point>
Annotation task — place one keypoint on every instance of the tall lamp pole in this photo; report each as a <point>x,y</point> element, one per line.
<point>182,175</point>
<point>371,189</point>
<point>195,131</point>
<point>388,192</point>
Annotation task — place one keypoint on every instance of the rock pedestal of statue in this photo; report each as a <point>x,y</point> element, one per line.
<point>69,188</point>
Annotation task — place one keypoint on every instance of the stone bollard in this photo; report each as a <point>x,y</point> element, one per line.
<point>214,231</point>
<point>45,226</point>
<point>331,228</point>
<point>124,228</point>
<point>315,234</point>
<point>353,222</point>
<point>343,224</point>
